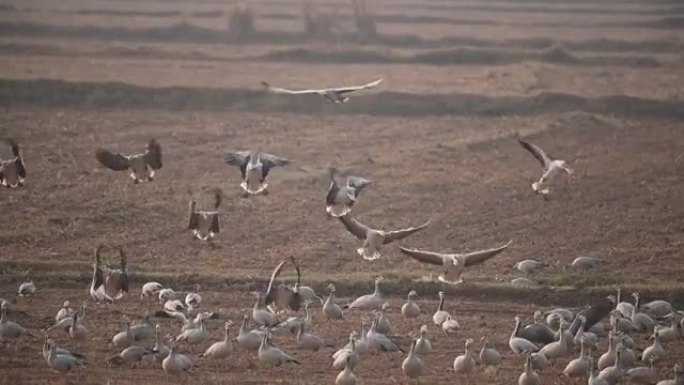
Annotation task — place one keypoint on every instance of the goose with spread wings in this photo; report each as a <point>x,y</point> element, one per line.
<point>343,192</point>
<point>254,168</point>
<point>373,239</point>
<point>454,264</point>
<point>204,224</point>
<point>333,95</point>
<point>109,283</point>
<point>550,167</point>
<point>141,167</point>
<point>283,296</point>
<point>13,171</point>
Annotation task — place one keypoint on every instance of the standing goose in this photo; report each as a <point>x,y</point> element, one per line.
<point>347,353</point>
<point>538,331</point>
<point>249,339</point>
<point>440,314</point>
<point>672,332</point>
<point>346,376</point>
<point>150,289</point>
<point>558,348</point>
<point>578,367</point>
<point>220,350</point>
<point>594,379</point>
<point>343,192</point>
<point>141,166</point>
<point>204,224</point>
<point>161,349</point>
<point>10,330</point>
<point>643,375</point>
<point>166,294</point>
<point>423,345</point>
<point>641,320</point>
<point>412,366</point>
<point>48,343</point>
<point>116,280</point>
<point>13,171</point>
<point>608,358</point>
<point>373,239</point>
<point>254,168</point>
<point>97,284</point>
<point>410,309</point>
<point>384,326</point>
<point>465,363</point>
<point>193,336</point>
<point>550,167</point>
<point>176,364</point>
<point>193,299</point>
<point>520,345</point>
<point>77,331</point>
<point>261,315</point>
<point>305,293</point>
<point>489,356</point>
<point>27,288</point>
<point>450,325</point>
<point>625,308</point>
<point>654,352</point>
<point>454,264</point>
<point>62,363</point>
<point>330,308</point>
<point>529,376</point>
<point>372,301</point>
<point>271,355</point>
<point>332,95</point>
<point>124,338</point>
<point>131,355</point>
<point>678,377</point>
<point>309,341</point>
<point>380,342</point>
<point>613,374</point>
<point>658,308</point>
<point>589,338</point>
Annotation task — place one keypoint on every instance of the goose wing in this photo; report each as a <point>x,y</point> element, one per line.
<point>396,235</point>
<point>271,291</point>
<point>536,151</point>
<point>279,90</point>
<point>269,161</point>
<point>193,223</point>
<point>356,88</point>
<point>480,256</point>
<point>18,161</point>
<point>113,161</point>
<point>358,229</point>
<point>593,314</point>
<point>238,159</point>
<point>358,183</point>
<point>336,180</point>
<point>424,256</point>
<point>153,154</point>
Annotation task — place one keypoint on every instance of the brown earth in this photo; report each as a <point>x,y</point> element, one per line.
<point>438,140</point>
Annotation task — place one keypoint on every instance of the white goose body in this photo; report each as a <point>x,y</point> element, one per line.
<point>372,301</point>
<point>410,308</point>
<point>175,363</point>
<point>465,362</point>
<point>412,366</point>
<point>520,345</point>
<point>249,339</point>
<point>271,355</point>
<point>332,310</point>
<point>220,349</point>
<point>423,344</point>
<point>440,314</point>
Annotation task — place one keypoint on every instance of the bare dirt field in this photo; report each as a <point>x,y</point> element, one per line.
<point>599,84</point>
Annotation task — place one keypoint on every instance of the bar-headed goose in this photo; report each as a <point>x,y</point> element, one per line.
<point>672,332</point>
<point>490,358</point>
<point>64,312</point>
<point>49,343</point>
<point>249,339</point>
<point>332,95</point>
<point>450,325</point>
<point>272,356</point>
<point>657,308</point>
<point>281,295</point>
<point>613,374</point>
<point>125,338</point>
<point>97,283</point>
<point>384,326</point>
<point>380,342</point>
<point>529,376</point>
<point>538,331</point>
<point>261,315</point>
<point>412,366</point>
<point>410,308</point>
<point>77,331</point>
<point>346,376</point>
<point>643,375</point>
<point>62,363</point>
<point>220,350</point>
<point>131,355</point>
<point>13,170</point>
<point>529,266</point>
<point>642,321</point>
<point>330,308</point>
<point>594,379</point>
<point>454,264</point>
<point>193,336</point>
<point>175,363</point>
<point>162,350</point>
<point>558,348</point>
<point>625,308</point>
<point>678,377</point>
<point>348,352</point>
<point>371,301</point>
<point>204,224</point>
<point>343,192</point>
<point>254,168</point>
<point>520,345</point>
<point>141,167</point>
<point>373,239</point>
<point>579,367</point>
<point>465,363</point>
<point>310,341</point>
<point>655,352</point>
<point>423,344</point>
<point>440,314</point>
<point>10,330</point>
<point>587,263</point>
<point>27,288</point>
<point>150,289</point>
<point>550,167</point>
<point>116,280</point>
<point>143,330</point>
<point>193,299</point>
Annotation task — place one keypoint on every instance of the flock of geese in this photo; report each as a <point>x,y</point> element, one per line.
<point>553,335</point>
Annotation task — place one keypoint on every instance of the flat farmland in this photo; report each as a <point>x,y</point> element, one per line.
<point>599,84</point>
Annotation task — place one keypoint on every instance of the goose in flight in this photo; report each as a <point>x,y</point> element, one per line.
<point>343,192</point>
<point>254,168</point>
<point>13,171</point>
<point>333,95</point>
<point>550,167</point>
<point>141,166</point>
<point>454,264</point>
<point>373,239</point>
<point>204,224</point>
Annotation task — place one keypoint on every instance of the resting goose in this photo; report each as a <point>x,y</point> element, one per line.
<point>13,171</point>
<point>150,289</point>
<point>332,95</point>
<point>450,325</point>
<point>412,366</point>
<point>678,377</point>
<point>26,289</point>
<point>254,168</point>
<point>131,355</point>
<point>372,301</point>
<point>204,224</point>
<point>587,263</point>
<point>373,239</point>
<point>166,294</point>
<point>271,355</point>
<point>454,264</point>
<point>529,266</point>
<point>343,192</point>
<point>64,312</point>
<point>62,363</point>
<point>643,375</point>
<point>141,167</point>
<point>550,167</point>
<point>410,309</point>
<point>657,309</point>
<point>330,308</point>
<point>529,376</point>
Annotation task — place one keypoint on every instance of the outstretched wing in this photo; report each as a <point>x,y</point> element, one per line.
<point>238,159</point>
<point>123,280</point>
<point>480,256</point>
<point>356,88</point>
<point>336,180</point>
<point>18,160</point>
<point>270,292</point>
<point>358,183</point>
<point>392,236</point>
<point>214,228</point>
<point>536,151</point>
<point>193,223</point>
<point>424,256</point>
<point>112,161</point>
<point>218,197</point>
<point>269,161</point>
<point>278,90</point>
<point>355,227</point>
<point>153,154</point>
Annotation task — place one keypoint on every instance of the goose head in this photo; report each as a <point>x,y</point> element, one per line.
<point>331,287</point>
<point>412,295</point>
<point>423,330</point>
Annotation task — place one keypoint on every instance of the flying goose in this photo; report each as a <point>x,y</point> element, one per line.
<point>454,264</point>
<point>330,308</point>
<point>204,224</point>
<point>13,171</point>
<point>440,314</point>
<point>141,166</point>
<point>520,345</point>
<point>423,345</point>
<point>62,363</point>
<point>97,284</point>
<point>373,239</point>
<point>272,356</point>
<point>372,301</point>
<point>410,309</point>
<point>333,95</point>
<point>343,192</point>
<point>26,289</point>
<point>150,289</point>
<point>346,376</point>
<point>254,168</point>
<point>550,167</point>
<point>529,376</point>
<point>220,350</point>
<point>412,366</point>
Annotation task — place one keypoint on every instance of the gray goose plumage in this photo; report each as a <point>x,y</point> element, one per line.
<point>373,239</point>
<point>13,171</point>
<point>141,167</point>
<point>254,168</point>
<point>116,280</point>
<point>550,167</point>
<point>343,192</point>
<point>284,296</point>
<point>454,264</point>
<point>204,224</point>
<point>97,284</point>
<point>332,95</point>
